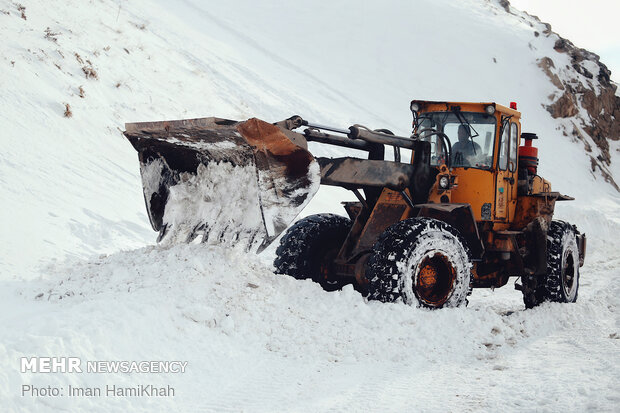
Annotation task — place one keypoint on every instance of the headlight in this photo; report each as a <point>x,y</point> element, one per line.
<point>444,182</point>
<point>415,107</point>
<point>490,109</point>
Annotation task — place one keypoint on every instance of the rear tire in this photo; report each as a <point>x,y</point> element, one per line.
<point>421,261</point>
<point>561,282</point>
<point>308,248</point>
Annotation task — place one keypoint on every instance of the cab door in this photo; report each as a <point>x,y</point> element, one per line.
<point>505,187</point>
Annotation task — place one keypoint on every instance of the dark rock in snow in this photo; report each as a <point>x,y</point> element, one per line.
<point>588,98</point>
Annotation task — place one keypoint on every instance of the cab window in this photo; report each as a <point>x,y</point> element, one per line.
<point>514,141</point>
<point>503,148</point>
<point>471,135</point>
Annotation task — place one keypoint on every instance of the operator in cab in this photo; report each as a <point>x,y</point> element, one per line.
<point>465,151</point>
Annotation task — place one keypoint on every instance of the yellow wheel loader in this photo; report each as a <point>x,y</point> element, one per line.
<point>466,210</point>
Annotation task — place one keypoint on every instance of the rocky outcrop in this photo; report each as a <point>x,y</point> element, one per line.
<point>546,64</point>
<point>505,4</point>
<point>564,107</point>
<point>587,97</point>
<point>597,97</point>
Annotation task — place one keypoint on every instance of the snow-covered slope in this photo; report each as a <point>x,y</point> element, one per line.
<point>70,188</point>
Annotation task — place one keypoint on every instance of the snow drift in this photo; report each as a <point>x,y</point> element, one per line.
<point>261,342</point>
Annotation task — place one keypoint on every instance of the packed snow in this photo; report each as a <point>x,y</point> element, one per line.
<point>256,341</point>
<point>81,277</point>
<point>206,198</point>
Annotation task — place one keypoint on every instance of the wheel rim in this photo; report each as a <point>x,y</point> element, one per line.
<point>435,280</point>
<point>568,275</point>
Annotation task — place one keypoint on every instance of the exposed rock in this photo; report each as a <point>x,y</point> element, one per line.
<point>604,111</point>
<point>564,107</point>
<point>546,64</point>
<point>587,86</point>
<point>606,175</point>
<point>578,135</point>
<point>589,96</point>
<point>598,100</point>
<point>602,105</point>
<point>505,4</point>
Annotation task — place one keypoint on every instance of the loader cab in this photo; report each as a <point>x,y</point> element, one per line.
<point>471,136</point>
<point>476,144</point>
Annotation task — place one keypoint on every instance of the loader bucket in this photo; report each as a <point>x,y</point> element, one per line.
<point>229,182</point>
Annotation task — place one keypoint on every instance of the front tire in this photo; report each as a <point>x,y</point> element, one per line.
<point>308,248</point>
<point>421,261</point>
<point>561,282</point>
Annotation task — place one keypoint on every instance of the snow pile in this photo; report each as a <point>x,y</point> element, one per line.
<point>229,203</point>
<point>262,342</point>
<point>206,198</point>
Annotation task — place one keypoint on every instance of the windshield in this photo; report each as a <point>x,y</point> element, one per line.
<point>471,134</point>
